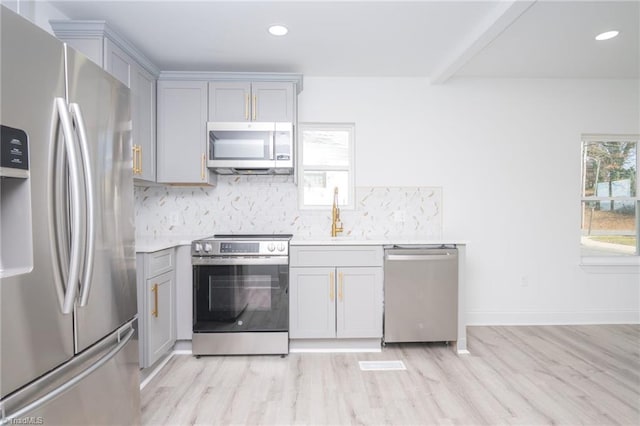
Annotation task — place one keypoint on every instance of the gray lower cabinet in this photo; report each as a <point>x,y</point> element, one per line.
<point>336,292</point>
<point>182,133</point>
<point>252,101</point>
<point>156,304</point>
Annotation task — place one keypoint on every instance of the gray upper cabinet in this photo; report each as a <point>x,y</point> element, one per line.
<point>143,108</point>
<point>252,101</point>
<point>182,133</point>
<point>102,45</point>
<point>229,101</point>
<point>117,62</point>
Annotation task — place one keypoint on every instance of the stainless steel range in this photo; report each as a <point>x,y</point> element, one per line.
<point>241,294</point>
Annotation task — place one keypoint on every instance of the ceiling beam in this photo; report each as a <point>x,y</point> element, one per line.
<point>505,14</point>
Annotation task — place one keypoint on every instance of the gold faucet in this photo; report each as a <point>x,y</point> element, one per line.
<point>336,224</point>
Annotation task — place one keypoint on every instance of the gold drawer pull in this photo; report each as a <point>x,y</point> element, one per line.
<point>331,287</point>
<point>155,300</point>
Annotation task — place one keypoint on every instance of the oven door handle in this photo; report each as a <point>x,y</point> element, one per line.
<point>234,261</point>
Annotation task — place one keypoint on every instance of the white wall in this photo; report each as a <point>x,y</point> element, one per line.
<point>507,156</point>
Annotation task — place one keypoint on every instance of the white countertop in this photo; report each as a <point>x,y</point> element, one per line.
<point>348,240</point>
<point>151,244</point>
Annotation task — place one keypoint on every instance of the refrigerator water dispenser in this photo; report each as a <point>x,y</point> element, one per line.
<point>16,249</point>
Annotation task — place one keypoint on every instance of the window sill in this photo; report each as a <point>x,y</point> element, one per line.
<point>608,264</point>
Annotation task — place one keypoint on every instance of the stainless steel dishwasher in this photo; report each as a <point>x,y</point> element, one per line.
<point>420,294</point>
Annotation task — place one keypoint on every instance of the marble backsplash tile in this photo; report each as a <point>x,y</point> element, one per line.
<point>269,204</point>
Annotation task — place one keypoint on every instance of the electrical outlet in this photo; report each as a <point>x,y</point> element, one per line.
<point>524,281</point>
<point>398,216</point>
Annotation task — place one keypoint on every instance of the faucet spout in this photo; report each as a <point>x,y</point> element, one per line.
<point>336,223</point>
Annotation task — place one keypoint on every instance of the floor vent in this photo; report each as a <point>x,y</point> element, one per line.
<point>381,365</point>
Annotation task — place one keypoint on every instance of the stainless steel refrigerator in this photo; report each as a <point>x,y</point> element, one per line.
<point>68,344</point>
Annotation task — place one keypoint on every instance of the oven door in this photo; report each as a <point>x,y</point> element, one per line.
<point>240,295</point>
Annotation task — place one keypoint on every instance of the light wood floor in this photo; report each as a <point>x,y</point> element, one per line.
<point>514,375</point>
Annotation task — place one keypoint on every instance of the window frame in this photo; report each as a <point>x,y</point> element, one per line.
<point>612,259</point>
<point>350,168</point>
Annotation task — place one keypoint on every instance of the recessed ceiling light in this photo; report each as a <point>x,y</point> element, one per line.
<point>607,35</point>
<point>278,30</point>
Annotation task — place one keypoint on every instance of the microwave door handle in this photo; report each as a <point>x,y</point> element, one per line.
<point>272,145</point>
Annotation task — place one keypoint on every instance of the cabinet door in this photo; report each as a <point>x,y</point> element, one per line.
<point>160,316</point>
<point>182,132</point>
<point>117,62</point>
<point>359,302</point>
<point>230,101</point>
<point>273,101</point>
<point>143,111</point>
<point>312,303</point>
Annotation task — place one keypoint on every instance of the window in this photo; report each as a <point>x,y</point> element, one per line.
<point>326,163</point>
<point>610,200</point>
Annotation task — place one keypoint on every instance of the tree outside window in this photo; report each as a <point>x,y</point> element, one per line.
<point>609,196</point>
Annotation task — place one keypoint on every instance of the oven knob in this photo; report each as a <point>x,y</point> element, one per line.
<point>271,247</point>
<point>197,247</point>
<point>208,247</point>
<point>281,247</point>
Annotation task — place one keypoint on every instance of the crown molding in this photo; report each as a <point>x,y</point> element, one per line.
<point>66,29</point>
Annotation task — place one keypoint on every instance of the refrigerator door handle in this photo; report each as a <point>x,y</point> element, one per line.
<point>66,293</point>
<point>34,405</point>
<point>85,285</point>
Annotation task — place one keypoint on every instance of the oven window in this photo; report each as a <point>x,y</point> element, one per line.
<point>241,298</point>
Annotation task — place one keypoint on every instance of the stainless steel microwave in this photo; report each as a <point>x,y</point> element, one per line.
<point>250,148</point>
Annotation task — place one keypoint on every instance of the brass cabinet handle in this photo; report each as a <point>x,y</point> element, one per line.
<point>134,151</point>
<point>246,107</point>
<point>340,285</point>
<point>137,159</point>
<point>155,300</point>
<point>331,287</point>
<point>140,159</point>
<point>202,167</point>
<point>255,104</point>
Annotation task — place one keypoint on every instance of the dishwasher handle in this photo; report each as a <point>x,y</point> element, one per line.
<point>420,254</point>
<point>420,257</point>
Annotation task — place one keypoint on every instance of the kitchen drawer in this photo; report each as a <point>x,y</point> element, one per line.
<point>336,256</point>
<point>160,262</point>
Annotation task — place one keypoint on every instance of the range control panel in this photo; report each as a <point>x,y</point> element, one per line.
<point>242,248</point>
<point>247,248</point>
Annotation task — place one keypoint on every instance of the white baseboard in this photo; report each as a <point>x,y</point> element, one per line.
<point>553,318</point>
<point>154,370</point>
<point>183,347</point>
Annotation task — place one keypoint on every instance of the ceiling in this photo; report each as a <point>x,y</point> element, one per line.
<point>434,39</point>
